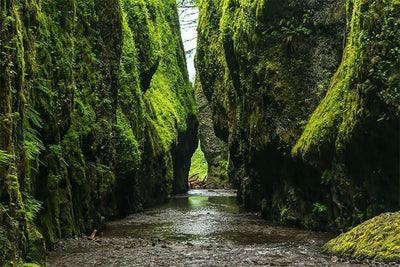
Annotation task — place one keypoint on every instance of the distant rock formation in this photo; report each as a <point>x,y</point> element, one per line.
<point>214,149</point>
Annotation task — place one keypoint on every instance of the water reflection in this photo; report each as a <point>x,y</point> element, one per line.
<point>206,226</point>
<point>203,216</point>
<point>197,203</point>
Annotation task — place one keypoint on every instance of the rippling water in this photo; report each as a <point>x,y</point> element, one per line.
<point>201,228</point>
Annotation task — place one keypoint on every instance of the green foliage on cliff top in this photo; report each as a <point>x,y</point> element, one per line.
<point>378,238</point>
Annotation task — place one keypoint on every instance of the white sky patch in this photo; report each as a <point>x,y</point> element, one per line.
<point>188,17</point>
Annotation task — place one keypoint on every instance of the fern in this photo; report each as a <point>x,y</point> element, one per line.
<point>3,236</point>
<point>32,206</point>
<point>34,117</point>
<point>57,150</point>
<point>100,168</point>
<point>32,143</point>
<point>4,157</point>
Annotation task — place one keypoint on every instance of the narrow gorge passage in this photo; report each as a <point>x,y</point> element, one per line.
<point>200,228</point>
<point>199,132</point>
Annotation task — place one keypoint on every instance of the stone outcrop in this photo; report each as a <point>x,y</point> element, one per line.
<point>214,149</point>
<point>97,117</point>
<point>305,93</point>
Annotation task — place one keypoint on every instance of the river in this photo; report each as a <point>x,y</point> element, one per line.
<point>200,228</point>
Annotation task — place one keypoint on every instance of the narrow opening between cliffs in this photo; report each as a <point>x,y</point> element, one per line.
<point>199,132</point>
<point>209,162</point>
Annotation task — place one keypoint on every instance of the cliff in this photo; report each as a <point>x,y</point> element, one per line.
<point>97,117</point>
<point>305,93</point>
<point>215,150</point>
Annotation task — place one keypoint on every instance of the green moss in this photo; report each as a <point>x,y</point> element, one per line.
<point>98,94</point>
<point>332,125</point>
<point>37,248</point>
<point>199,164</point>
<point>255,82</point>
<point>292,104</point>
<point>378,238</point>
<point>17,33</point>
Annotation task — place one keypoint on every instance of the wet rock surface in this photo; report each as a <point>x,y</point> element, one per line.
<point>201,228</point>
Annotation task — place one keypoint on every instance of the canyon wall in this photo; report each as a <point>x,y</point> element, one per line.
<point>97,117</point>
<point>306,94</point>
<point>215,150</point>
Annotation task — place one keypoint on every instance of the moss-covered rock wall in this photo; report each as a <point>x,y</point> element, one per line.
<point>306,93</point>
<point>97,116</point>
<point>215,150</point>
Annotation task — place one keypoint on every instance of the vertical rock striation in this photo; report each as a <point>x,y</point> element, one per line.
<point>305,93</point>
<point>97,116</point>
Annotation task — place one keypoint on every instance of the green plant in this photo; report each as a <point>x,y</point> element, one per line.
<point>34,117</point>
<point>291,30</point>
<point>32,206</point>
<point>319,208</point>
<point>57,150</point>
<point>32,143</point>
<point>2,234</point>
<point>187,3</point>
<point>4,157</point>
<point>326,176</point>
<point>199,164</point>
<point>6,209</point>
<point>323,86</point>
<point>284,212</point>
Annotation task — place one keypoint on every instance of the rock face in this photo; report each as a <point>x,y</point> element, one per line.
<point>305,93</point>
<point>378,238</point>
<point>97,116</point>
<point>214,149</point>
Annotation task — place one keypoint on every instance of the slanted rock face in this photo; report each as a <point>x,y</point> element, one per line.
<point>359,118</point>
<point>215,150</point>
<point>97,116</point>
<point>298,152</point>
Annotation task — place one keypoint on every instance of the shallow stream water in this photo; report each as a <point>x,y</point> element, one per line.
<point>201,228</point>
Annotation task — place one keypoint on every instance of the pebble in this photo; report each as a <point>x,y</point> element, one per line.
<point>146,247</point>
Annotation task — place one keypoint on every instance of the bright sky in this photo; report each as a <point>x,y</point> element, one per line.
<point>188,18</point>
